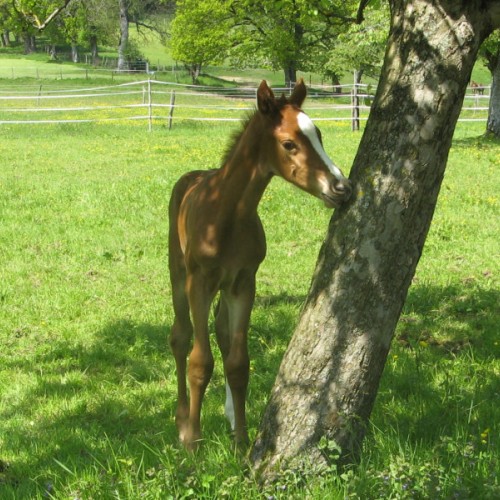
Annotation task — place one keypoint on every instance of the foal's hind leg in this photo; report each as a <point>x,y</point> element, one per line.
<point>180,339</point>
<point>240,300</point>
<point>224,342</point>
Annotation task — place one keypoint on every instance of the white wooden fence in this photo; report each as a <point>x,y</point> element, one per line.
<point>157,102</point>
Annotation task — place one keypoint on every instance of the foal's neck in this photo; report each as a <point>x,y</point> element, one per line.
<point>245,173</point>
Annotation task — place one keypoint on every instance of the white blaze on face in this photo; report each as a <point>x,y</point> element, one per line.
<point>309,130</point>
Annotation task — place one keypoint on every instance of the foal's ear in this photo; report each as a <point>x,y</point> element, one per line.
<point>266,103</point>
<point>299,93</point>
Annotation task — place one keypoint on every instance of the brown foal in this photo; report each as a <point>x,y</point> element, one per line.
<point>216,243</point>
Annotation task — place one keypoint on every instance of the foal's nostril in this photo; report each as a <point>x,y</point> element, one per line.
<point>344,188</point>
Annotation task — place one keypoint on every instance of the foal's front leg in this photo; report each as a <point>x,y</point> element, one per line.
<point>201,293</point>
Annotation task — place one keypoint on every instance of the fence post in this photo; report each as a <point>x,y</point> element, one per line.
<point>150,106</point>
<point>355,106</point>
<point>171,111</point>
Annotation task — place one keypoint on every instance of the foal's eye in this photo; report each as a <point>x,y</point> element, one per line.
<point>289,145</point>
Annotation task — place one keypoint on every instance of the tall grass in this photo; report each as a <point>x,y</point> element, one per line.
<point>87,383</point>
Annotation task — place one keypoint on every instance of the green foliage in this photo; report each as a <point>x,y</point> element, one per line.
<point>291,33</point>
<point>97,19</point>
<point>199,32</point>
<point>491,44</point>
<point>280,35</point>
<point>361,47</point>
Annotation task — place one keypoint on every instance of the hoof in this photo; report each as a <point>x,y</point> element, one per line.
<point>189,439</point>
<point>241,442</point>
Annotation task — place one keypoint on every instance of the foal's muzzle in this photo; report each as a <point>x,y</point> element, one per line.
<point>343,189</point>
<point>339,192</point>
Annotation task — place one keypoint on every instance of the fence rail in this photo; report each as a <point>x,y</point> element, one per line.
<point>158,102</point>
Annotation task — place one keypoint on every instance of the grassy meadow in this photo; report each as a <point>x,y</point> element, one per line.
<point>87,381</point>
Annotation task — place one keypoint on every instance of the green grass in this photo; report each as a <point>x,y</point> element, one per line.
<point>87,382</point>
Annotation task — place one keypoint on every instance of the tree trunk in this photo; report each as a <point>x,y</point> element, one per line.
<point>195,71</point>
<point>290,75</point>
<point>74,52</point>
<point>29,42</point>
<point>358,75</point>
<point>123,44</point>
<point>6,39</point>
<point>329,376</point>
<point>53,52</point>
<point>337,88</point>
<point>493,125</point>
<point>94,49</point>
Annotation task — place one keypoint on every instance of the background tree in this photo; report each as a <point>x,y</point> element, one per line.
<point>490,50</point>
<point>328,380</point>
<point>123,7</point>
<point>288,35</point>
<point>27,18</point>
<point>71,27</point>
<point>138,12</point>
<point>95,24</point>
<point>361,47</point>
<point>87,22</point>
<point>200,34</point>
<point>5,22</point>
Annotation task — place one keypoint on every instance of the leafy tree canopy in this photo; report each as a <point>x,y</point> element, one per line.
<point>282,34</point>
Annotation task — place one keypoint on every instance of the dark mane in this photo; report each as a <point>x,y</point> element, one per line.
<point>236,136</point>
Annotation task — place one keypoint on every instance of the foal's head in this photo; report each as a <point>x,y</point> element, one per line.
<point>297,152</point>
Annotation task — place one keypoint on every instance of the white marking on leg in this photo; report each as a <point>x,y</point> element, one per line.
<point>229,407</point>
<point>309,130</point>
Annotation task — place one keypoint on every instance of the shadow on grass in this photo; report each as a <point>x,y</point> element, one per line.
<point>452,316</point>
<point>440,378</point>
<point>484,142</point>
<point>88,400</point>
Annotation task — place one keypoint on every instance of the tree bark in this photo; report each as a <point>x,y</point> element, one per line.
<point>74,52</point>
<point>29,42</point>
<point>94,49</point>
<point>290,75</point>
<point>123,44</point>
<point>5,39</point>
<point>328,380</point>
<point>194,71</point>
<point>493,124</point>
<point>337,88</point>
<point>291,65</point>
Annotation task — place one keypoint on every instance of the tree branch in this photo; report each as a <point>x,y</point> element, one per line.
<point>33,19</point>
<point>155,29</point>
<point>53,15</point>
<point>359,16</point>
